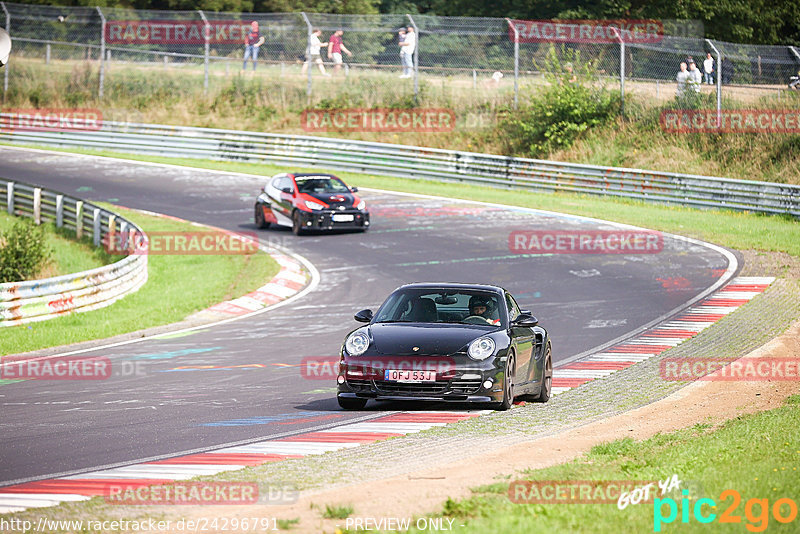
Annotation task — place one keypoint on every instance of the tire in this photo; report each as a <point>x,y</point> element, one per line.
<point>351,404</point>
<point>546,387</point>
<point>259,217</point>
<point>297,226</point>
<point>508,385</point>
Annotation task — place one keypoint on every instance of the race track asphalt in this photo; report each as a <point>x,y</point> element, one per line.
<point>584,300</point>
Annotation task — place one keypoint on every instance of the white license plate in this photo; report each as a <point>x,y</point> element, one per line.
<point>343,217</point>
<point>398,375</point>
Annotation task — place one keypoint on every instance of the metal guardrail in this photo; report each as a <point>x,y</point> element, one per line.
<point>421,163</point>
<point>39,300</point>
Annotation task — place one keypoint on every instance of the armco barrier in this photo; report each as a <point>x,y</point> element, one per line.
<point>417,162</point>
<point>39,300</point>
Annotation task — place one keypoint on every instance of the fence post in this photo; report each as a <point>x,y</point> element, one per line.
<point>79,219</point>
<point>416,58</point>
<point>10,198</point>
<point>308,54</point>
<point>516,61</point>
<point>8,30</point>
<point>37,205</point>
<point>794,51</point>
<point>719,80</point>
<point>621,71</point>
<point>96,226</point>
<point>206,38</point>
<point>59,211</point>
<point>102,51</point>
<point>47,54</point>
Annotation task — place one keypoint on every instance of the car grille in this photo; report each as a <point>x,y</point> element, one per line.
<point>464,387</point>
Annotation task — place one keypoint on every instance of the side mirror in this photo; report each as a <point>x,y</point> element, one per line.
<point>525,319</point>
<point>525,312</point>
<point>288,190</point>
<point>364,316</point>
<point>354,189</point>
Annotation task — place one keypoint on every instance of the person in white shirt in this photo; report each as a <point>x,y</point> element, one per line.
<point>407,46</point>
<point>682,77</point>
<point>695,78</point>
<point>313,52</point>
<point>708,69</point>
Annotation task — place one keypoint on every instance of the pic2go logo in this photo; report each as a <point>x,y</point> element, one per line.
<point>783,511</point>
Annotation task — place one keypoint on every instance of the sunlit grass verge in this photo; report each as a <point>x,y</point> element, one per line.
<point>734,229</point>
<point>177,286</point>
<point>69,255</point>
<point>753,455</point>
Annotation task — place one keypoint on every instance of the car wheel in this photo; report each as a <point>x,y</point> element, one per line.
<point>297,225</point>
<point>546,388</point>
<point>259,216</point>
<point>508,384</point>
<point>351,404</point>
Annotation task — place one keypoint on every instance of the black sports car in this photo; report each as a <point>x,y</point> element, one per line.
<point>446,342</point>
<point>310,202</point>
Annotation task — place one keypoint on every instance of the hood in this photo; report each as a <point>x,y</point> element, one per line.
<point>398,339</point>
<point>333,199</point>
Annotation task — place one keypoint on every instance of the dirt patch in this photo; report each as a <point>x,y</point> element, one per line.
<point>425,491</point>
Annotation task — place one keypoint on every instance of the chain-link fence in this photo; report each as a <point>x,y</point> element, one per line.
<point>372,60</point>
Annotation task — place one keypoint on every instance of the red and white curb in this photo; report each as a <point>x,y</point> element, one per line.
<point>51,492</point>
<point>661,337</point>
<point>288,282</point>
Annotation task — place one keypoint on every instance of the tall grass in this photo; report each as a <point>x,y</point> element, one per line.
<point>273,98</point>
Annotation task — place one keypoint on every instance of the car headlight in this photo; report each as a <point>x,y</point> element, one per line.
<point>481,348</point>
<point>314,205</point>
<point>361,205</point>
<point>357,343</point>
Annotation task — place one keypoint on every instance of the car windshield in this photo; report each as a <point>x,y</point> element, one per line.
<point>320,184</point>
<point>460,306</point>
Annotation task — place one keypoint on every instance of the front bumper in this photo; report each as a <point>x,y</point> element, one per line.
<point>467,386</point>
<point>325,219</point>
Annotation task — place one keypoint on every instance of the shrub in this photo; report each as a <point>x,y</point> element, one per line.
<point>23,251</point>
<point>556,116</point>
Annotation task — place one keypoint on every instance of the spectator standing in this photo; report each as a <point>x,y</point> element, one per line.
<point>335,48</point>
<point>407,47</point>
<point>695,78</point>
<point>252,41</point>
<point>682,78</point>
<point>313,54</point>
<point>708,69</point>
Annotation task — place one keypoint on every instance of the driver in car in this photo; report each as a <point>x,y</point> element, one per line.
<point>481,307</point>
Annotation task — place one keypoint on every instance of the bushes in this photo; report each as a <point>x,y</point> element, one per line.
<point>23,251</point>
<point>557,115</point>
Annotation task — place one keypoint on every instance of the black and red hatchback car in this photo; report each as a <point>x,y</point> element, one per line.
<point>308,202</point>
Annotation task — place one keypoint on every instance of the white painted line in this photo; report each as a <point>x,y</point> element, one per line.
<point>671,341</point>
<point>288,447</point>
<point>557,389</point>
<point>10,509</point>
<point>156,471</point>
<point>72,497</point>
<point>753,280</point>
<point>582,373</point>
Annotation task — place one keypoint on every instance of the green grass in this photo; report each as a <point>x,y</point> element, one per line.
<point>756,455</point>
<point>337,512</point>
<point>69,255</point>
<point>287,524</point>
<point>739,230</point>
<point>178,285</point>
